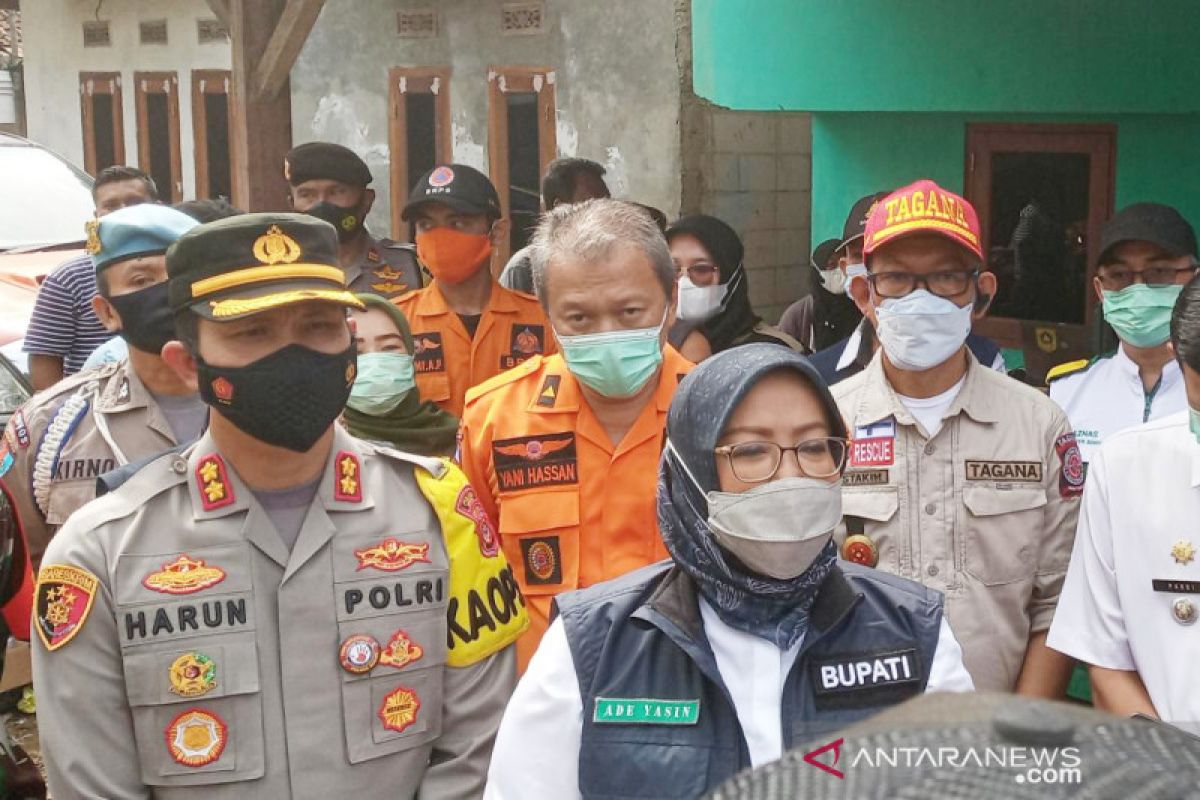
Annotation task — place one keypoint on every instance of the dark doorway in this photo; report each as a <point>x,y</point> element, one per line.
<point>158,131</point>
<point>210,129</point>
<point>524,167</point>
<point>103,131</point>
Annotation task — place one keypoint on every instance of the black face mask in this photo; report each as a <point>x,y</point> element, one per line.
<point>146,319</point>
<point>287,399</point>
<point>347,220</point>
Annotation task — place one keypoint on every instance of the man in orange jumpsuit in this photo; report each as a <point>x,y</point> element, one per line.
<point>564,450</point>
<point>466,326</point>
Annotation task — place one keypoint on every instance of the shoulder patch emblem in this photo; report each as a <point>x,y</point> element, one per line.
<point>196,737</point>
<point>548,394</point>
<point>399,709</point>
<point>215,489</point>
<point>348,488</point>
<point>184,575</point>
<point>20,429</point>
<point>469,506</point>
<point>524,341</point>
<point>6,457</point>
<point>392,555</point>
<point>543,561</point>
<point>192,675</point>
<point>1071,480</point>
<point>63,602</point>
<point>429,355</point>
<point>359,654</point>
<point>400,651</point>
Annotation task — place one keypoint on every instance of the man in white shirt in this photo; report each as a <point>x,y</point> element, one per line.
<point>1147,253</point>
<point>1132,594</point>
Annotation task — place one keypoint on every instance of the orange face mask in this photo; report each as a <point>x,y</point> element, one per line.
<point>453,256</point>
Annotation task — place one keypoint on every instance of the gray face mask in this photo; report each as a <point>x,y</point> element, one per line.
<point>775,529</point>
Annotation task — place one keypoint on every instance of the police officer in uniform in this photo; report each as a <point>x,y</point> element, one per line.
<point>279,610</point>
<point>331,182</point>
<point>64,438</point>
<point>1132,595</point>
<point>1147,253</point>
<point>669,680</point>
<point>958,477</point>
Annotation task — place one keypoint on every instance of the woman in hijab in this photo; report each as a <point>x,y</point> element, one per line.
<point>385,405</point>
<point>752,638</point>
<point>714,296</point>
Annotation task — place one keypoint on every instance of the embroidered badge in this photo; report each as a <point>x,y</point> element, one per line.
<point>373,256</point>
<point>638,711</point>
<point>1183,552</point>
<point>866,679</point>
<point>392,555</point>
<point>20,429</point>
<point>92,228</point>
<point>63,602</point>
<point>386,273</point>
<point>387,287</point>
<point>400,651</point>
<point>442,176</point>
<point>524,341</point>
<point>1005,471</point>
<point>399,709</point>
<point>276,247</point>
<point>874,445</point>
<point>196,738</point>
<point>543,561</point>
<point>428,355</point>
<point>548,395</point>
<point>1070,482</point>
<point>529,462</point>
<point>359,654</point>
<point>184,575</point>
<point>215,490</point>
<point>348,488</point>
<point>469,506</point>
<point>222,389</point>
<point>861,550</point>
<point>192,675</point>
<point>867,477</point>
<point>6,458</point>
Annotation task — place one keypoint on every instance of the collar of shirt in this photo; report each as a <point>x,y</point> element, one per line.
<point>123,391</point>
<point>879,401</point>
<point>850,352</point>
<point>430,302</point>
<point>1127,367</point>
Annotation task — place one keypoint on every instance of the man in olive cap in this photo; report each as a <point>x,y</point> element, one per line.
<point>331,182</point>
<point>63,439</point>
<point>279,610</point>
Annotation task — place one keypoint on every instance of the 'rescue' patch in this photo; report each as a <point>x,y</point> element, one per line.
<point>866,679</point>
<point>196,737</point>
<point>548,394</point>
<point>1005,471</point>
<point>392,555</point>
<point>874,445</point>
<point>429,355</point>
<point>865,477</point>
<point>348,485</point>
<point>1070,481</point>
<point>399,709</point>
<point>543,561</point>
<point>524,341</point>
<point>531,462</point>
<point>63,602</point>
<point>469,506</point>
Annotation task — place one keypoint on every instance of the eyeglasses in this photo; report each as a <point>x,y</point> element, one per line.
<point>755,462</point>
<point>946,283</point>
<point>1117,279</point>
<point>699,274</point>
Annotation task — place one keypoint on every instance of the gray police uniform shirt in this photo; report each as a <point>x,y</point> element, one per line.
<point>387,268</point>
<point>182,651</point>
<point>68,435</point>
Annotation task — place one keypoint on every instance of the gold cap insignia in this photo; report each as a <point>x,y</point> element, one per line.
<point>276,247</point>
<point>92,226</point>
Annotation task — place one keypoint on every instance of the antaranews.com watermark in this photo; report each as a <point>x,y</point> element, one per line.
<point>1030,765</point>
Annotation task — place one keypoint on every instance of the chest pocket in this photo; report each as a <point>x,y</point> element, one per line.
<point>634,767</point>
<point>876,508</point>
<point>540,536</point>
<point>1003,527</point>
<point>197,712</point>
<point>67,497</point>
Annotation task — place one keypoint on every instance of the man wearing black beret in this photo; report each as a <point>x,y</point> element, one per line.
<point>330,182</point>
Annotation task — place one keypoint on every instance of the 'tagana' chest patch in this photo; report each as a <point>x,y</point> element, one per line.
<point>1005,471</point>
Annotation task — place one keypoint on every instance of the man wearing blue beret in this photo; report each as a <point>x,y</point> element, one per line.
<point>65,437</point>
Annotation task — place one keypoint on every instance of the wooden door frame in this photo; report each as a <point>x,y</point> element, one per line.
<point>200,88</point>
<point>168,84</point>
<point>86,116</point>
<point>1098,141</point>
<point>403,81</point>
<point>501,80</point>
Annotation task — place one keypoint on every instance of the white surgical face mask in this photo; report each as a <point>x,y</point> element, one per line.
<point>700,303</point>
<point>834,280</point>
<point>854,271</point>
<point>776,529</point>
<point>921,330</point>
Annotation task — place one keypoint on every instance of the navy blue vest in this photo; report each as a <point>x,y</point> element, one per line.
<point>638,641</point>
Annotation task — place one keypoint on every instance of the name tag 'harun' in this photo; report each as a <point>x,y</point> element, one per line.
<point>645,711</point>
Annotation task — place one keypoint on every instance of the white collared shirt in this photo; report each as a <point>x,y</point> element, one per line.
<point>1142,498</point>
<point>1108,397</point>
<point>537,747</point>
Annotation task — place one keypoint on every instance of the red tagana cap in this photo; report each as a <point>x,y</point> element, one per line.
<point>923,207</point>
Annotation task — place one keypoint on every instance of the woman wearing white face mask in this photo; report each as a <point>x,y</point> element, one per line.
<point>753,638</point>
<point>385,404</point>
<point>714,296</point>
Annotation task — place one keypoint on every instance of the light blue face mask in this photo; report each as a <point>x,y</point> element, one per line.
<point>1141,314</point>
<point>614,363</point>
<point>383,381</point>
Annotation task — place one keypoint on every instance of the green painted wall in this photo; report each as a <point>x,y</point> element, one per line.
<point>1158,158</point>
<point>1031,56</point>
